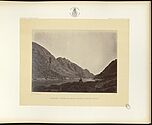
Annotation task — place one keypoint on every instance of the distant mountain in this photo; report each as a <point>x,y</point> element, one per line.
<point>109,71</point>
<point>45,65</point>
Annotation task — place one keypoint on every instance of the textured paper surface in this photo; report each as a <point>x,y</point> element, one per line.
<point>27,97</point>
<point>138,14</point>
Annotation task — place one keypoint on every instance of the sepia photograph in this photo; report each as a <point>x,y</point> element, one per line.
<point>67,60</point>
<point>74,61</point>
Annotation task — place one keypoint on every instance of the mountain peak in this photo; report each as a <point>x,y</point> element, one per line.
<point>45,64</point>
<point>41,50</point>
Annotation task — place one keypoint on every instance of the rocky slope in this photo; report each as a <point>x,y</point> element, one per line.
<point>45,65</point>
<point>109,71</point>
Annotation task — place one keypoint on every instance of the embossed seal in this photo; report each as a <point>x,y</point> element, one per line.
<point>74,11</point>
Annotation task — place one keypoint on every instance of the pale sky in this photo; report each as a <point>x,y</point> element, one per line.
<point>92,50</point>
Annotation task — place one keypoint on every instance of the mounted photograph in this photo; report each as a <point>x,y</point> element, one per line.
<point>63,61</point>
<point>74,61</point>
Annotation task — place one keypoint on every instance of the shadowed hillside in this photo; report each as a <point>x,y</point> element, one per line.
<point>109,71</point>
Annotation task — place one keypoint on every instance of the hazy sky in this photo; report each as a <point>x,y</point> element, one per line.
<point>92,50</point>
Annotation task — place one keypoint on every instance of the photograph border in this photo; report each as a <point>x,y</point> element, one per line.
<point>27,97</point>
